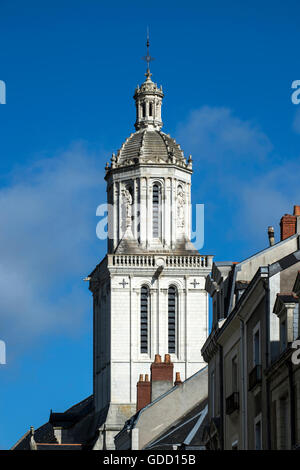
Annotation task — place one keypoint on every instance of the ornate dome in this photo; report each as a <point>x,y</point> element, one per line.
<point>149,146</point>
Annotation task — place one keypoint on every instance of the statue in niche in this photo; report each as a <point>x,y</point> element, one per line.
<point>127,201</point>
<point>180,207</point>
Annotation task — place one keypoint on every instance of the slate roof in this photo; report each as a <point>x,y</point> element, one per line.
<point>59,447</point>
<point>186,433</point>
<point>80,421</point>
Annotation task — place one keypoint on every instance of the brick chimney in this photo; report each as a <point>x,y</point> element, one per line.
<point>161,381</point>
<point>143,392</point>
<point>290,224</point>
<point>161,376</point>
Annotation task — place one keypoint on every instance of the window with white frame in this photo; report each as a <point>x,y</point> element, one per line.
<point>284,422</point>
<point>256,345</point>
<point>283,334</point>
<point>234,374</point>
<point>258,433</point>
<point>212,393</point>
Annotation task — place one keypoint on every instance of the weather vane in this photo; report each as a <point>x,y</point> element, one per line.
<point>148,57</point>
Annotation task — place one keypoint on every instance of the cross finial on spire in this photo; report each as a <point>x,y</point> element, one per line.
<point>148,57</point>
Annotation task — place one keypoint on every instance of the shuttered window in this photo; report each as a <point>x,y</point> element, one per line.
<point>156,212</point>
<point>144,318</point>
<point>172,314</point>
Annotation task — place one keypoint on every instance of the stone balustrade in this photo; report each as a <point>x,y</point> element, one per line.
<point>171,261</point>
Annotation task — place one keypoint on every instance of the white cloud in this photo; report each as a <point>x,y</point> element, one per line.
<point>47,239</point>
<point>237,169</point>
<point>269,197</point>
<point>214,134</point>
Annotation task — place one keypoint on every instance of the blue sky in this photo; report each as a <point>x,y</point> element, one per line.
<point>71,69</point>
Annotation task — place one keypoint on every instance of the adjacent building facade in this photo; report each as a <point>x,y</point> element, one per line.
<point>253,383</point>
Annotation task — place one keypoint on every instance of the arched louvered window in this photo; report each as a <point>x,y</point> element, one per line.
<point>144,318</point>
<point>172,319</point>
<point>156,223</point>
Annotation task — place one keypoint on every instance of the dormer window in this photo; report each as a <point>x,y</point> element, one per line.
<point>286,308</point>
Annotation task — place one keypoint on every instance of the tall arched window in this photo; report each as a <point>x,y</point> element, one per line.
<point>172,319</point>
<point>144,318</point>
<point>156,222</point>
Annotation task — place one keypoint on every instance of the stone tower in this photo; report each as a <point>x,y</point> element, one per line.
<point>148,291</point>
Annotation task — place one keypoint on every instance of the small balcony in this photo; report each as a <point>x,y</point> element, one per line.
<point>232,403</point>
<point>255,377</point>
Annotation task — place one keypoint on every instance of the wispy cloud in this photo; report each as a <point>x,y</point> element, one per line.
<point>235,162</point>
<point>268,197</point>
<point>215,133</point>
<point>296,121</point>
<point>47,238</point>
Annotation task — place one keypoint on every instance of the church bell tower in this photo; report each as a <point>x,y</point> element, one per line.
<point>149,291</point>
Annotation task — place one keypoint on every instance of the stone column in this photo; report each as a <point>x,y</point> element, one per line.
<point>149,215</point>
<point>173,212</point>
<point>163,214</point>
<point>188,211</point>
<point>168,215</point>
<point>143,211</point>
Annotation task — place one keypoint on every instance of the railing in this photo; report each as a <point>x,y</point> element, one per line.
<point>255,376</point>
<point>232,403</point>
<point>170,261</point>
<point>131,260</point>
<point>196,261</point>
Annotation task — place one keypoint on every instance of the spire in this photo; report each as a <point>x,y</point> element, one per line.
<point>148,99</point>
<point>148,57</point>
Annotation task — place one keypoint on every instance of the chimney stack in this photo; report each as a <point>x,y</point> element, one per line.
<point>178,380</point>
<point>161,381</point>
<point>143,392</point>
<point>271,236</point>
<point>161,376</point>
<point>290,224</point>
<point>296,211</point>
